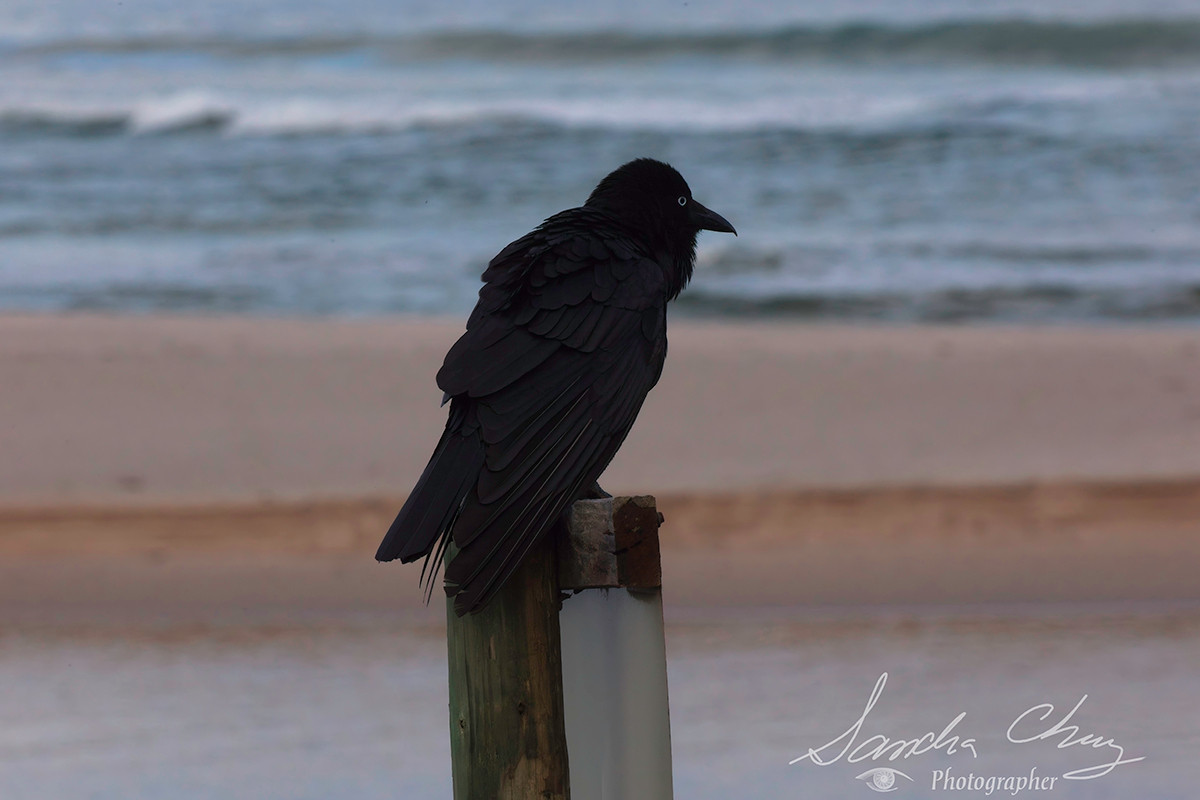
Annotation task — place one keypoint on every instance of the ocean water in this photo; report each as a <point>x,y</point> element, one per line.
<point>1031,160</point>
<point>360,712</point>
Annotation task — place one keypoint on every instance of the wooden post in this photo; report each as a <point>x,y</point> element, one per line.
<point>510,719</point>
<point>507,737</point>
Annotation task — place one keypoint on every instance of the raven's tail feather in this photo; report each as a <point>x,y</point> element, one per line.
<point>430,510</point>
<point>483,565</point>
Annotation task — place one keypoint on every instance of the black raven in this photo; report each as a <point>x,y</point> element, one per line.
<point>568,337</point>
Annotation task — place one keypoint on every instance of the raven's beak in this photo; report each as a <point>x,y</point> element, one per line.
<point>707,220</point>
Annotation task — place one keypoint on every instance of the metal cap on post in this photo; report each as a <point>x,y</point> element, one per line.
<point>614,661</point>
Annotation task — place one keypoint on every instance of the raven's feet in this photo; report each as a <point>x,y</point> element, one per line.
<point>596,493</point>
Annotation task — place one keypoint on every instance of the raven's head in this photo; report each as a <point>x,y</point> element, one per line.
<point>654,201</point>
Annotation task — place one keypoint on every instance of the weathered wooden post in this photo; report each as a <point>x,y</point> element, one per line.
<point>507,739</point>
<point>525,693</point>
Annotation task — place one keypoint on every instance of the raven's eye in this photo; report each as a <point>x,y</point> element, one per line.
<point>682,200</point>
<point>882,779</point>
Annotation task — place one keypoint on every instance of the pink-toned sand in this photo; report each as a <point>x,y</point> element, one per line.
<point>201,466</point>
<point>126,409</point>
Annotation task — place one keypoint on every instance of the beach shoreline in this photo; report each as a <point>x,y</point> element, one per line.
<point>1099,544</point>
<point>187,470</point>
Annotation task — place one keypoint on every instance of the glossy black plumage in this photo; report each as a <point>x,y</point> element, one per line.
<point>568,337</point>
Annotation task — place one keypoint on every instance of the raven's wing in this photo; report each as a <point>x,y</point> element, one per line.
<point>568,338</point>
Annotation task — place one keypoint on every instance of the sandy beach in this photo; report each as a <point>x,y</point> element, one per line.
<point>145,409</point>
<point>995,517</point>
<point>200,470</point>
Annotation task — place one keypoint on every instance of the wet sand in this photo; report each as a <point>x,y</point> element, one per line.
<point>982,547</point>
<point>313,712</point>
